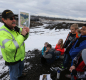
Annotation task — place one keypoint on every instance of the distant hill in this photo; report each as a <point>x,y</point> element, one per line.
<point>54,18</point>
<point>36,18</point>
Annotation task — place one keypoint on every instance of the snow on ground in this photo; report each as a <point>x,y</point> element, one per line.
<point>37,37</point>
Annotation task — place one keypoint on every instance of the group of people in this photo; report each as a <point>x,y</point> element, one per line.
<point>73,48</point>
<point>49,54</point>
<point>13,48</point>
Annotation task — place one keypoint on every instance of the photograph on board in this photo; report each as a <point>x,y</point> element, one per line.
<point>24,19</point>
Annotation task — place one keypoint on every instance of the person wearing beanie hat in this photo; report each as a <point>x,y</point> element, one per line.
<point>12,44</point>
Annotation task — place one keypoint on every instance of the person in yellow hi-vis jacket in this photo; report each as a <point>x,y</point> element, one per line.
<point>12,44</point>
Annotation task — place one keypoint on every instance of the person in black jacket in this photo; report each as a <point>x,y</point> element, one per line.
<point>71,38</point>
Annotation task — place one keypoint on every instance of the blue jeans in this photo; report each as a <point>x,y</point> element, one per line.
<point>57,53</point>
<point>16,70</point>
<point>72,62</point>
<point>72,77</point>
<point>66,60</point>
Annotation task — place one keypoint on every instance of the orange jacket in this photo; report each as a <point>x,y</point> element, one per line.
<point>58,48</point>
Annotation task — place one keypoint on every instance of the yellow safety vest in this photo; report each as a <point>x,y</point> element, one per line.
<point>12,45</point>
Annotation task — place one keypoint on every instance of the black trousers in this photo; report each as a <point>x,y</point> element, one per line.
<point>43,60</point>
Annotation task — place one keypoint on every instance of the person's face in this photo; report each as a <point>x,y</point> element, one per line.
<point>45,45</point>
<point>83,30</point>
<point>48,48</point>
<point>73,30</point>
<point>11,22</point>
<point>59,42</point>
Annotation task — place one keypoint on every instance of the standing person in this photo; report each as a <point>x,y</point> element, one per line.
<point>44,48</point>
<point>72,36</point>
<point>80,43</point>
<point>12,44</point>
<point>59,50</point>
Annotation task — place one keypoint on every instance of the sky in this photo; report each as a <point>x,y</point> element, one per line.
<point>70,9</point>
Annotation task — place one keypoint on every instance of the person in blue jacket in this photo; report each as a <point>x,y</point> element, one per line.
<point>79,45</point>
<point>44,48</point>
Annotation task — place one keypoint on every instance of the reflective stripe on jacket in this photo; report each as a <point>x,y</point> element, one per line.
<point>12,44</point>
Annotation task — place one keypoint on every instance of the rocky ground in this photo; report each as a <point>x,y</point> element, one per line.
<point>34,68</point>
<point>35,23</point>
<point>62,25</point>
<point>57,25</point>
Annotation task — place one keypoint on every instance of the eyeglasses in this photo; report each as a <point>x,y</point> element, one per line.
<point>12,18</point>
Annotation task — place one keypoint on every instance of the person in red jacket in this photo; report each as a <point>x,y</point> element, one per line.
<point>59,50</point>
<point>78,69</point>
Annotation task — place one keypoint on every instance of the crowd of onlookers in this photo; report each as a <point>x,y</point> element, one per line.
<point>73,50</point>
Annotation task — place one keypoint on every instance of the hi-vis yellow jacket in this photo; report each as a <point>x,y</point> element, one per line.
<point>12,44</point>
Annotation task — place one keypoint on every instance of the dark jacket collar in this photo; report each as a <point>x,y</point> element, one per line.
<point>8,26</point>
<point>15,28</point>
